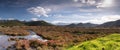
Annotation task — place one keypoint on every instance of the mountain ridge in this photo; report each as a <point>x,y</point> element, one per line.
<point>44,23</point>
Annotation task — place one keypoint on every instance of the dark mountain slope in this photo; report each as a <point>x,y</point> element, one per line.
<point>38,23</point>
<point>82,25</point>
<point>11,23</point>
<point>111,24</point>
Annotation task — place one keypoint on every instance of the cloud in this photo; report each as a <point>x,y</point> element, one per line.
<point>62,6</point>
<point>83,1</point>
<point>75,0</point>
<point>90,10</point>
<point>67,22</point>
<point>39,11</point>
<point>0,18</point>
<point>34,19</point>
<point>11,19</point>
<point>73,18</point>
<point>103,19</point>
<point>66,8</point>
<point>86,1</point>
<point>91,19</point>
<point>105,3</point>
<point>92,2</point>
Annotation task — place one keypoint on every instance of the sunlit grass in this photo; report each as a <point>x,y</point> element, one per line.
<point>111,42</point>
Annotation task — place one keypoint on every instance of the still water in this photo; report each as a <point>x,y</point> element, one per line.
<point>4,42</point>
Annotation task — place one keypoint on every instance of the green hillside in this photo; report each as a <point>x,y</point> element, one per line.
<point>23,23</point>
<point>11,23</point>
<point>111,42</point>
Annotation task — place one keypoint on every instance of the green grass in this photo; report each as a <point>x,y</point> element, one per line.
<point>111,42</point>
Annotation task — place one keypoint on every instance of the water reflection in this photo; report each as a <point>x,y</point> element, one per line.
<point>4,42</point>
<point>33,35</point>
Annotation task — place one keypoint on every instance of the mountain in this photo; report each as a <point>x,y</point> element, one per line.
<point>82,25</point>
<point>11,23</point>
<point>44,23</point>
<point>38,23</point>
<point>111,24</point>
<point>23,23</point>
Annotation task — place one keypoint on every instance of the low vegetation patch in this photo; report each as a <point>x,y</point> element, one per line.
<point>14,31</point>
<point>111,42</point>
<point>62,37</point>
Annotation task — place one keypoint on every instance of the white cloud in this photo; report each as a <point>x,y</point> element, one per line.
<point>105,3</point>
<point>91,19</point>
<point>58,16</point>
<point>100,4</point>
<point>90,10</point>
<point>92,2</point>
<point>39,11</point>
<point>68,22</point>
<point>75,0</point>
<point>73,18</point>
<point>0,18</point>
<point>34,19</point>
<point>11,19</point>
<point>104,19</point>
<point>83,1</point>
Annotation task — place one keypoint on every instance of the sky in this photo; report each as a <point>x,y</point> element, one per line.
<point>61,11</point>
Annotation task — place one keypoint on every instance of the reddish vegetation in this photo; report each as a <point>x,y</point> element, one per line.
<point>59,37</point>
<point>14,31</point>
<point>71,36</point>
<point>22,44</point>
<point>37,44</point>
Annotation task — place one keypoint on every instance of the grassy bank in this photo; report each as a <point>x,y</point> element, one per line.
<point>111,42</point>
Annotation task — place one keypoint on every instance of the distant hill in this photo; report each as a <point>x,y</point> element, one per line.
<point>82,25</point>
<point>107,24</point>
<point>111,24</point>
<point>11,23</point>
<point>37,23</point>
<point>23,23</point>
<point>44,23</point>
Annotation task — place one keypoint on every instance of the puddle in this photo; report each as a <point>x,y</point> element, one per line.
<point>4,43</point>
